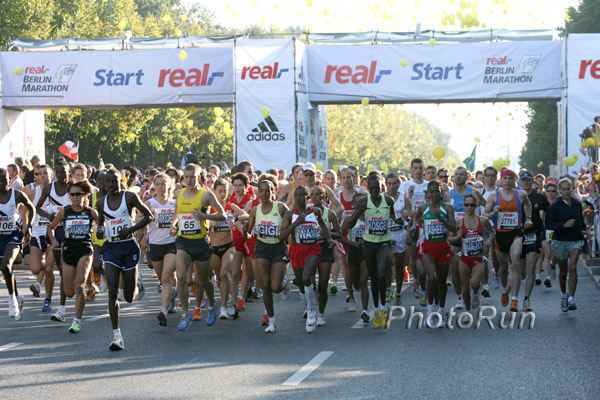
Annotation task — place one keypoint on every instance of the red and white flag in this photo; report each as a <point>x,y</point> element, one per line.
<point>70,150</point>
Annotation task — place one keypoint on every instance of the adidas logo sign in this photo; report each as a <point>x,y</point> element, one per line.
<point>265,131</point>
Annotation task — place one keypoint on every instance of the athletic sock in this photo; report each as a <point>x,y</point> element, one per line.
<point>309,297</point>
<point>197,308</point>
<point>164,310</point>
<point>486,287</point>
<point>571,299</point>
<point>514,298</point>
<point>505,289</point>
<point>303,299</point>
<point>117,333</point>
<point>564,296</point>
<point>78,320</point>
<point>61,309</point>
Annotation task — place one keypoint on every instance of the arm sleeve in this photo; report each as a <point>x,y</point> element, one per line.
<point>551,222</point>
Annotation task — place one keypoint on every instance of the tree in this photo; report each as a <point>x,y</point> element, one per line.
<point>542,130</point>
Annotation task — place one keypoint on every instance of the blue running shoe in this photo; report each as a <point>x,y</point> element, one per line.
<point>212,314</point>
<point>184,323</point>
<point>47,305</point>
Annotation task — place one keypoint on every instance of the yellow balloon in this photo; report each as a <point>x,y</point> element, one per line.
<point>569,161</point>
<point>183,55</point>
<point>309,3</point>
<point>439,152</point>
<point>179,125</point>
<point>189,123</point>
<point>477,140</point>
<point>319,165</point>
<point>226,126</point>
<point>432,42</point>
<point>365,101</point>
<point>263,21</point>
<point>266,112</point>
<point>525,149</point>
<point>540,164</point>
<point>122,24</point>
<point>183,18</point>
<point>18,70</point>
<point>589,142</point>
<point>575,156</point>
<point>403,63</point>
<point>497,118</point>
<point>219,120</point>
<point>453,165</point>
<point>485,165</point>
<point>211,129</point>
<point>178,32</point>
<point>48,111</point>
<point>556,170</point>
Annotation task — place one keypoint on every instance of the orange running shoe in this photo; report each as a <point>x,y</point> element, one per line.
<point>193,288</point>
<point>265,320</point>
<point>504,299</point>
<point>514,306</point>
<point>241,305</point>
<point>197,315</point>
<point>90,295</point>
<point>97,278</point>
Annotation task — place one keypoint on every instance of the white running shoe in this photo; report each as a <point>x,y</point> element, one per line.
<point>13,308</point>
<point>117,344</point>
<point>352,306</point>
<point>171,308</point>
<point>460,304</point>
<point>140,287</point>
<point>20,300</point>
<point>285,294</point>
<point>311,321</point>
<point>103,284</point>
<point>321,320</point>
<point>443,324</point>
<point>271,328</point>
<point>475,301</point>
<point>58,316</point>
<point>223,313</point>
<point>495,279</point>
<point>203,303</point>
<point>230,310</point>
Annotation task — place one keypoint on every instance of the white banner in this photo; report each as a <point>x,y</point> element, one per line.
<point>265,103</point>
<point>21,135</point>
<point>318,136</point>
<point>444,72</point>
<point>303,111</point>
<point>583,92</point>
<point>117,78</point>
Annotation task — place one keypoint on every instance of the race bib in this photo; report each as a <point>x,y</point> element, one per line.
<point>188,225</point>
<point>7,225</point>
<point>267,230</point>
<point>222,226</point>
<point>549,235</point>
<point>377,225</point>
<point>459,215</point>
<point>306,234</point>
<point>394,227</point>
<point>529,238</point>
<point>77,228</point>
<point>115,227</point>
<point>473,245</point>
<point>164,217</point>
<point>508,220</point>
<point>357,233</point>
<point>434,229</point>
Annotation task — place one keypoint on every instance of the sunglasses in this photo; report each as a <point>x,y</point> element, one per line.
<point>443,176</point>
<point>76,194</point>
<point>469,204</point>
<point>550,191</point>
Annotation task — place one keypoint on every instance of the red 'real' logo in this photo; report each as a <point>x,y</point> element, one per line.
<point>594,68</point>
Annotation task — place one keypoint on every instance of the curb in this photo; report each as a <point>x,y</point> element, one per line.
<point>593,268</point>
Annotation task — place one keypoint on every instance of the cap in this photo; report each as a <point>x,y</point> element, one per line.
<point>507,172</point>
<point>525,175</point>
<point>186,148</point>
<point>309,167</point>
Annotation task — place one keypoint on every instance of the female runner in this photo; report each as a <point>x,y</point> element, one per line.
<point>77,250</point>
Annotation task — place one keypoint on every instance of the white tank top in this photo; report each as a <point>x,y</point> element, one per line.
<point>56,202</point>
<point>9,216</point>
<point>399,205</point>
<point>159,229</point>
<point>40,224</point>
<point>117,220</point>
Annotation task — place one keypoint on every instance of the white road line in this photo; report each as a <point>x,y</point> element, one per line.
<point>9,346</point>
<point>92,319</point>
<point>303,372</point>
<point>185,363</point>
<point>360,324</point>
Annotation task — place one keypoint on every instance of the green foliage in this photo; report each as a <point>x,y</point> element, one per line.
<point>542,130</point>
<point>364,135</point>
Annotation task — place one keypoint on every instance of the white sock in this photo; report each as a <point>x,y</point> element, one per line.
<point>564,295</point>
<point>120,292</point>
<point>272,320</point>
<point>505,289</point>
<point>303,299</point>
<point>571,299</point>
<point>309,296</point>
<point>117,332</point>
<point>514,298</point>
<point>486,286</point>
<point>78,320</point>
<point>61,309</point>
<point>196,308</point>
<point>164,310</point>
<point>441,310</point>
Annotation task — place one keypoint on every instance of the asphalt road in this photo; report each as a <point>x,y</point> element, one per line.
<point>559,357</point>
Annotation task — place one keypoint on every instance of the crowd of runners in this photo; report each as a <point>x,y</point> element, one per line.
<point>238,230</point>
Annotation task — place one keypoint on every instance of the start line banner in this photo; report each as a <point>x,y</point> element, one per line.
<point>444,72</point>
<point>117,78</point>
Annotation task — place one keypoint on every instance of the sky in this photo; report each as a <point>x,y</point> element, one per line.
<point>499,126</point>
